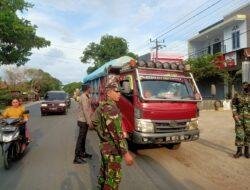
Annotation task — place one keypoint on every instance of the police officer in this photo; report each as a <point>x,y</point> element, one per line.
<point>241,115</point>
<point>83,122</point>
<point>113,146</point>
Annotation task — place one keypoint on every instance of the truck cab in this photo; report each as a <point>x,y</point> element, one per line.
<point>159,106</point>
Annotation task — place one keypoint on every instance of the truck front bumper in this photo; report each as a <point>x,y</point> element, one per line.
<point>165,138</point>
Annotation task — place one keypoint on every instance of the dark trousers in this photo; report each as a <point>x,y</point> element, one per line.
<point>22,132</point>
<point>80,144</point>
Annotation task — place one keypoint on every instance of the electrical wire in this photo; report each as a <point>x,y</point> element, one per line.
<point>200,26</point>
<point>187,35</point>
<point>185,21</point>
<point>184,16</point>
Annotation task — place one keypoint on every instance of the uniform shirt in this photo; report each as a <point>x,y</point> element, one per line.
<point>241,106</point>
<point>107,123</point>
<point>84,109</point>
<point>13,112</point>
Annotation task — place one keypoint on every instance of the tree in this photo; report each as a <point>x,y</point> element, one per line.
<point>32,80</point>
<point>17,35</point>
<point>42,82</point>
<point>14,76</point>
<point>70,88</point>
<point>204,68</point>
<point>110,47</point>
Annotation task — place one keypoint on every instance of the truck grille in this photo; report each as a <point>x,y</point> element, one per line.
<point>170,126</point>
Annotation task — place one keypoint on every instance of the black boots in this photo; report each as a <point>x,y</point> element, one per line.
<point>246,152</point>
<point>79,160</point>
<point>238,153</point>
<point>86,155</point>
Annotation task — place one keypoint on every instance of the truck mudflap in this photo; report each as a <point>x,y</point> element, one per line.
<point>165,138</point>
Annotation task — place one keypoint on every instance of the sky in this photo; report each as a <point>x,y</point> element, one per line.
<point>71,25</point>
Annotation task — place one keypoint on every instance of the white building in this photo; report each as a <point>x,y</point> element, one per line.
<point>229,36</point>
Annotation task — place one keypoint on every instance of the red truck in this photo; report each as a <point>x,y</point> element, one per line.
<point>158,102</point>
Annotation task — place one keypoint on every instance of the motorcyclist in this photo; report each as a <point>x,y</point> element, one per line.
<point>16,111</point>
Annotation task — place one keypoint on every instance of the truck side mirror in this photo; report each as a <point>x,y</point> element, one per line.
<point>126,87</point>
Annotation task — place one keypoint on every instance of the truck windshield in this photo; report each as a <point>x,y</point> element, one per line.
<point>166,89</point>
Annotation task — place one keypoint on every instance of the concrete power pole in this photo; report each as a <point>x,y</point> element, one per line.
<point>157,46</point>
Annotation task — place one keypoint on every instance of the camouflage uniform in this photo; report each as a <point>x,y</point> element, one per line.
<point>107,122</point>
<point>241,108</point>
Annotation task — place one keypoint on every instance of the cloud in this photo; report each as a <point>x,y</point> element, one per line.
<point>48,26</point>
<point>143,15</point>
<point>71,25</point>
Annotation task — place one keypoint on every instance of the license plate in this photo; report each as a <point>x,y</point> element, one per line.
<point>175,138</point>
<point>52,108</point>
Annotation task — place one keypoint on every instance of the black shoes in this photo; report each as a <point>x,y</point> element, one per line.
<point>238,153</point>
<point>79,160</point>
<point>86,155</point>
<point>246,152</point>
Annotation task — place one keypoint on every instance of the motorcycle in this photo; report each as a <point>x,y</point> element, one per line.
<point>13,144</point>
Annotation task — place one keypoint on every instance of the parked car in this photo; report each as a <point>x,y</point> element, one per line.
<point>54,102</point>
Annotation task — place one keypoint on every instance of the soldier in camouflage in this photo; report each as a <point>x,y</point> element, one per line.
<point>241,115</point>
<point>113,146</point>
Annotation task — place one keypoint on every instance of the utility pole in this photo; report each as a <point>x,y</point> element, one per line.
<point>158,45</point>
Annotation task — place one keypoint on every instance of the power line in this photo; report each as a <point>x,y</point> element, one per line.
<point>184,16</point>
<point>200,19</point>
<point>146,43</point>
<point>188,19</point>
<point>201,26</point>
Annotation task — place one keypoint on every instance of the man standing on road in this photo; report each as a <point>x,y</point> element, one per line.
<point>241,115</point>
<point>113,146</point>
<point>83,122</point>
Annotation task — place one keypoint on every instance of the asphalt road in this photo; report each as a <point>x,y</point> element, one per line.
<point>196,165</point>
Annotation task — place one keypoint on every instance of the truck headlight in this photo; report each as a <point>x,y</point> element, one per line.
<point>192,124</point>
<point>62,104</point>
<point>144,125</point>
<point>44,105</point>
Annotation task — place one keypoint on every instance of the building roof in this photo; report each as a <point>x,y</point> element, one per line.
<point>217,27</point>
<point>245,9</point>
<point>237,15</point>
<point>103,69</point>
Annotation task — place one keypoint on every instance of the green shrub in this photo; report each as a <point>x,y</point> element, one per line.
<point>5,98</point>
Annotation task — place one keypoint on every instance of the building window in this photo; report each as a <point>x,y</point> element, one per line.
<point>216,48</point>
<point>209,49</point>
<point>236,39</point>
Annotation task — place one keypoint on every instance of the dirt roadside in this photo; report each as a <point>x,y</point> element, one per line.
<point>207,163</point>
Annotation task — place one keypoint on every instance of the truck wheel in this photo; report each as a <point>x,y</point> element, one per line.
<point>173,146</point>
